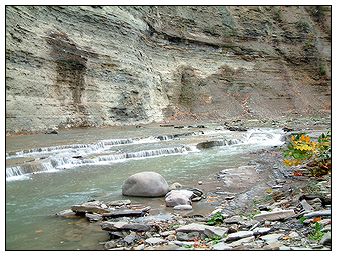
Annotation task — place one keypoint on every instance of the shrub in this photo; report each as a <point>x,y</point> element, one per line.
<point>315,156</point>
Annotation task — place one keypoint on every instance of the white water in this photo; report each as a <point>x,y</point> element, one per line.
<point>110,151</point>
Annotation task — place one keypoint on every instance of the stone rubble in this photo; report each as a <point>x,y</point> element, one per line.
<point>285,223</point>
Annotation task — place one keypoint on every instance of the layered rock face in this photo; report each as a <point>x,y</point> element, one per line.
<point>107,65</point>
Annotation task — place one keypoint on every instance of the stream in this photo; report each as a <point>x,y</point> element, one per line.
<point>47,173</point>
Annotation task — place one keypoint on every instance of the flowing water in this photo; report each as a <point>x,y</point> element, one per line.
<point>49,173</point>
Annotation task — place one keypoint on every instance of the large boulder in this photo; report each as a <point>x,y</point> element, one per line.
<point>178,197</point>
<point>146,184</point>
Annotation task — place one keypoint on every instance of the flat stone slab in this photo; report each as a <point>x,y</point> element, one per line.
<point>271,238</point>
<point>155,241</point>
<point>122,225</point>
<point>126,213</point>
<point>307,207</point>
<point>215,231</point>
<point>318,213</point>
<point>119,202</point>
<point>93,217</point>
<point>193,227</point>
<point>89,209</point>
<point>222,247</point>
<point>239,235</point>
<point>275,215</point>
<point>183,207</point>
<point>261,231</point>
<point>242,241</point>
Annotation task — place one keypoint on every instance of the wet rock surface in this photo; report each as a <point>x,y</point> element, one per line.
<point>281,213</point>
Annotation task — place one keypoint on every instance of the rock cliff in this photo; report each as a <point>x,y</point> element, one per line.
<point>72,66</point>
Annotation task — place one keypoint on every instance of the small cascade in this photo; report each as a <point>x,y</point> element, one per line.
<point>14,171</point>
<point>48,150</point>
<point>176,136</point>
<point>29,168</point>
<point>68,162</point>
<point>117,142</point>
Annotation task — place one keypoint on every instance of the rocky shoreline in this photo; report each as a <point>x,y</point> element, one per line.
<point>291,213</point>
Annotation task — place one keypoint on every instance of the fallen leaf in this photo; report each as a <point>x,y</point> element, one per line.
<point>317,219</point>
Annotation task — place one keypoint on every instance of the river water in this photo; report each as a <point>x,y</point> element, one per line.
<point>46,174</point>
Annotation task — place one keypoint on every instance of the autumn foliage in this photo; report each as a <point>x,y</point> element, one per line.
<point>314,156</point>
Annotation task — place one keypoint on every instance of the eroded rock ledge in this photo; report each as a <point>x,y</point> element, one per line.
<point>108,65</point>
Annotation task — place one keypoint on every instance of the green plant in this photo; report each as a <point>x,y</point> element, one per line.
<point>315,156</point>
<point>302,219</point>
<point>322,70</point>
<point>317,233</point>
<point>214,239</point>
<point>217,218</point>
<point>187,246</point>
<point>277,15</point>
<point>302,26</point>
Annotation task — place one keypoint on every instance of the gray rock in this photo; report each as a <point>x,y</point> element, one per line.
<point>181,243</point>
<point>326,239</point>
<point>242,241</point>
<point>271,238</point>
<point>110,244</point>
<point>93,217</point>
<point>296,248</point>
<point>126,213</point>
<point>238,235</point>
<point>139,247</point>
<point>131,238</point>
<point>52,131</point>
<point>294,235</point>
<point>307,207</point>
<point>167,233</point>
<point>67,214</point>
<point>275,215</point>
<point>193,227</point>
<point>149,66</point>
<point>122,225</point>
<point>171,237</point>
<point>326,228</point>
<point>175,186</point>
<point>90,207</point>
<point>318,213</point>
<point>178,197</point>
<point>154,241</point>
<point>221,247</point>
<point>316,203</point>
<point>145,184</point>
<point>261,231</point>
<point>189,236</point>
<point>215,231</point>
<point>273,246</point>
<point>234,220</point>
<point>183,207</point>
<point>196,199</point>
<point>119,202</point>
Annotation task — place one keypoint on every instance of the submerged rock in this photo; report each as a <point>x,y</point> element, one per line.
<point>145,184</point>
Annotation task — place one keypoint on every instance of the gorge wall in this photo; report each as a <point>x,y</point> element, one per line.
<point>73,66</point>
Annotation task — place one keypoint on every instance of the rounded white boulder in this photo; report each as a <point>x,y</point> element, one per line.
<point>146,184</point>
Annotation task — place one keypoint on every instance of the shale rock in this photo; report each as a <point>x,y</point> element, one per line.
<point>145,184</point>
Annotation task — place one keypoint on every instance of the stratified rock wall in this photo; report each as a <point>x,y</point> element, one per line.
<point>108,65</point>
